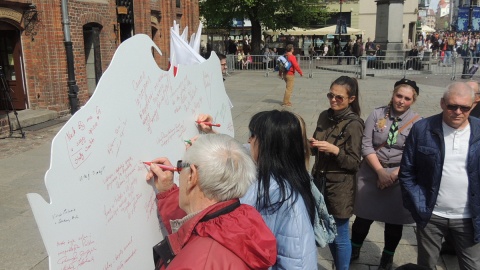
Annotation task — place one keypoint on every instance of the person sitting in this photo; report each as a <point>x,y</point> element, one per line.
<point>413,61</point>
<point>240,58</point>
<point>208,225</point>
<point>372,58</point>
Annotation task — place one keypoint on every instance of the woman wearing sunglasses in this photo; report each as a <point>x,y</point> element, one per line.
<point>336,144</point>
<point>378,194</point>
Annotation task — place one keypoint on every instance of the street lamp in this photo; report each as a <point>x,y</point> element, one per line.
<point>466,60</point>
<point>340,22</point>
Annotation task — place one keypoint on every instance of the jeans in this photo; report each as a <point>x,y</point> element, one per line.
<point>341,248</point>
<point>461,231</point>
<point>447,60</point>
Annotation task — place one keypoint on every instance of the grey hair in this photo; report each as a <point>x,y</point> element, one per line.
<point>459,89</point>
<point>225,168</point>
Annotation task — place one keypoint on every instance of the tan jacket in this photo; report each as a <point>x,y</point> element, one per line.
<point>339,170</point>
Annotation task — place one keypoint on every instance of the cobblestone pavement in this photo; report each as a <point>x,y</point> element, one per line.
<point>250,92</point>
<point>33,138</point>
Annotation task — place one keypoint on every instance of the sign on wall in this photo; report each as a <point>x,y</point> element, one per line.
<point>463,17</point>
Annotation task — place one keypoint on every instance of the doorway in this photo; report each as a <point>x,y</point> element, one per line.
<point>11,63</point>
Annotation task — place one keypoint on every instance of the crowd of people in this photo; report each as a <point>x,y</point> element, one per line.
<point>252,206</point>
<point>443,46</point>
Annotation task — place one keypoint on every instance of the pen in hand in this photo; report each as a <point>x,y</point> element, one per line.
<point>163,167</point>
<point>208,123</point>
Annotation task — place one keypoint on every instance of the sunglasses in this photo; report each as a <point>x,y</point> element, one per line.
<point>181,165</point>
<point>455,107</point>
<point>338,98</point>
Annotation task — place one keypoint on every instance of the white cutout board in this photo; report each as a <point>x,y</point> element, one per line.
<point>103,213</point>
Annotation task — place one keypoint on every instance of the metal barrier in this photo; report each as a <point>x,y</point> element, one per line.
<point>334,64</point>
<point>258,63</point>
<point>466,67</point>
<point>383,65</point>
<point>362,66</point>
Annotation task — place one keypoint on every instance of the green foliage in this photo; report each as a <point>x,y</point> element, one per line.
<point>273,14</point>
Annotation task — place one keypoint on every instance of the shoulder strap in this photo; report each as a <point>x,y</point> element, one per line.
<point>342,131</point>
<point>399,130</point>
<point>325,168</point>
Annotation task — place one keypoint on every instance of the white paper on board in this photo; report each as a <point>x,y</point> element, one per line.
<point>102,213</point>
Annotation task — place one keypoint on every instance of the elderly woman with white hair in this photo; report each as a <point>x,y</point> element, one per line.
<point>214,231</point>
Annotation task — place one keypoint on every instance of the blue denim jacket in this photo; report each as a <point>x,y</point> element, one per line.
<point>292,228</point>
<point>422,165</point>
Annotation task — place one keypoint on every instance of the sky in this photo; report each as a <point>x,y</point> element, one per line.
<point>433,4</point>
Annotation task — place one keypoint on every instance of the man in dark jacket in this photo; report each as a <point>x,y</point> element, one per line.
<point>440,179</point>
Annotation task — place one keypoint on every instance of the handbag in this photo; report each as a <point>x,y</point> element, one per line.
<point>324,225</point>
<point>163,254</point>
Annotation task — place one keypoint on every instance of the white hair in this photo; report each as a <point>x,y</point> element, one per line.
<point>225,168</point>
<point>459,89</point>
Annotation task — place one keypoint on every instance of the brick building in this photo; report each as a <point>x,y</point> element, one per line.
<point>33,54</point>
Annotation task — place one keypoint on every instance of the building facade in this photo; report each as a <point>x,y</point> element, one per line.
<point>33,55</point>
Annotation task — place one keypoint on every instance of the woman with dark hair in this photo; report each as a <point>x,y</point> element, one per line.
<point>379,196</point>
<point>336,144</point>
<point>282,193</point>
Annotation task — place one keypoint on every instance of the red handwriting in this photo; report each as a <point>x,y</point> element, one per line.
<point>176,132</point>
<point>136,84</point>
<point>80,138</point>
<point>122,256</point>
<point>76,253</point>
<point>149,206</point>
<point>113,148</point>
<point>145,101</point>
<point>127,191</point>
<point>124,170</point>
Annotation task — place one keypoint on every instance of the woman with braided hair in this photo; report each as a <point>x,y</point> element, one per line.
<point>378,196</point>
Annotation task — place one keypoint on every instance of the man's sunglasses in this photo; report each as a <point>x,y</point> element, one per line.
<point>338,98</point>
<point>455,107</point>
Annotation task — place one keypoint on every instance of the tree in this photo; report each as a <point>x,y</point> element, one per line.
<point>273,14</point>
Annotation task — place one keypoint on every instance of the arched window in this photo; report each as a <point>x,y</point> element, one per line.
<point>93,56</point>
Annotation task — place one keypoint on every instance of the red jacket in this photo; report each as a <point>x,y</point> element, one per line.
<point>292,59</point>
<point>236,238</point>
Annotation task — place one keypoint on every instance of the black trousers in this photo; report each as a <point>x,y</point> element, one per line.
<point>392,233</point>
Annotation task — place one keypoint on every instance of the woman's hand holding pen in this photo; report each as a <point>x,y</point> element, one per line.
<point>163,179</point>
<point>202,119</point>
<point>324,146</point>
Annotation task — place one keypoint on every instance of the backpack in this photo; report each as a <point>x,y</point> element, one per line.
<point>283,64</point>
